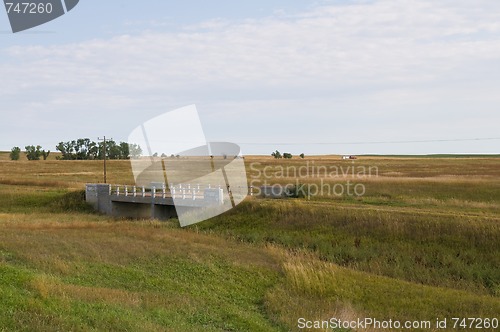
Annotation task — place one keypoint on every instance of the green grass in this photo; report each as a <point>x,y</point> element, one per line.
<point>28,199</point>
<point>122,276</point>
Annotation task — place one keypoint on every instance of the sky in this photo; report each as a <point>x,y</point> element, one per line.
<point>313,77</point>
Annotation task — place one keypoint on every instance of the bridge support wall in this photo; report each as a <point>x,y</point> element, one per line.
<point>98,195</point>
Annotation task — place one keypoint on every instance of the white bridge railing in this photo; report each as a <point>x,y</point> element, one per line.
<point>186,191</point>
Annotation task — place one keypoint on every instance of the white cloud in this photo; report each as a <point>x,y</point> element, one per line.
<point>379,59</point>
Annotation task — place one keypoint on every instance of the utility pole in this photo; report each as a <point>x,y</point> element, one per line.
<point>104,155</point>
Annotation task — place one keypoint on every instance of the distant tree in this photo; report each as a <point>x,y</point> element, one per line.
<point>33,153</point>
<point>15,153</point>
<point>124,150</point>
<point>135,151</point>
<point>276,154</point>
<point>85,149</point>
<point>81,148</point>
<point>45,154</point>
<point>67,150</point>
<point>287,155</point>
<point>93,152</point>
<point>302,156</point>
<point>113,150</point>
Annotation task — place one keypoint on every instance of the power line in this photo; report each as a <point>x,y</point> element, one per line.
<point>376,142</point>
<point>356,143</point>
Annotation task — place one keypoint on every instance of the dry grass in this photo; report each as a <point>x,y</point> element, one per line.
<point>67,173</point>
<point>386,169</point>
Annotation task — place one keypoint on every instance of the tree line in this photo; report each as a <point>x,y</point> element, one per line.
<point>277,155</point>
<point>81,149</point>
<point>32,153</point>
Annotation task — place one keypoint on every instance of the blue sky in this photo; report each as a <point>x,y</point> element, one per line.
<point>302,73</point>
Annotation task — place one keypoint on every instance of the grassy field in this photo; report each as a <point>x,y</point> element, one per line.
<point>423,242</point>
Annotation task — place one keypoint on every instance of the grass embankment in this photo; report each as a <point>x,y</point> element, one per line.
<point>80,271</point>
<point>101,275</point>
<point>454,251</point>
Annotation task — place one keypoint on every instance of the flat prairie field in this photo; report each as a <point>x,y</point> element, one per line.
<point>406,240</point>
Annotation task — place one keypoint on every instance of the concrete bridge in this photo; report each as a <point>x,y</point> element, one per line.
<point>156,201</point>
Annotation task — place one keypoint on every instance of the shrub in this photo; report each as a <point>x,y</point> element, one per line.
<point>298,191</point>
<point>33,153</point>
<point>73,201</point>
<point>15,153</point>
<point>276,154</point>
